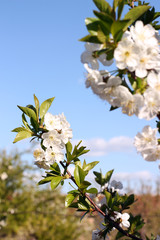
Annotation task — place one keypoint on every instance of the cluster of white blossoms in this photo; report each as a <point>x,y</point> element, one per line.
<point>54,140</point>
<point>100,200</point>
<point>138,53</point>
<point>147,144</point>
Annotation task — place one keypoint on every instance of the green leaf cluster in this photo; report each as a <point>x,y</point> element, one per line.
<point>73,156</point>
<point>36,116</point>
<point>54,176</point>
<point>108,26</point>
<point>102,180</point>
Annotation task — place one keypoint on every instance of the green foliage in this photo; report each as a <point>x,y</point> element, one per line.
<point>36,115</point>
<point>102,180</point>
<point>73,156</point>
<point>135,14</point>
<point>44,108</point>
<point>29,212</point>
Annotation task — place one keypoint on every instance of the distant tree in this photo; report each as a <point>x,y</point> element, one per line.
<point>28,212</point>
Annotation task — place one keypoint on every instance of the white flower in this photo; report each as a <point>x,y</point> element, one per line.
<point>111,84</point>
<point>104,61</point>
<point>151,104</point>
<point>123,218</point>
<point>105,186</point>
<point>158,237</point>
<point>126,54</point>
<point>96,235</point>
<point>146,139</point>
<point>40,159</point>
<point>131,103</point>
<point>138,50</point>
<point>145,62</point>
<point>38,154</point>
<point>88,55</point>
<point>59,124</point>
<point>143,34</point>
<point>153,80</point>
<point>95,80</point>
<point>3,176</point>
<point>119,97</point>
<point>53,154</point>
<point>51,122</point>
<point>51,138</point>
<point>116,186</point>
<point>65,131</point>
<point>147,144</point>
<point>151,154</point>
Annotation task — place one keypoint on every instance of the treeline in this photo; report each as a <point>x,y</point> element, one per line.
<point>29,212</point>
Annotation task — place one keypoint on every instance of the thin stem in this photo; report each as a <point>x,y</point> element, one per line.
<point>116,225</point>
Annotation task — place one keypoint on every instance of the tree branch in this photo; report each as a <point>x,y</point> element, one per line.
<point>116,225</point>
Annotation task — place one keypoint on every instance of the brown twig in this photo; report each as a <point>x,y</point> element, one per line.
<point>116,225</point>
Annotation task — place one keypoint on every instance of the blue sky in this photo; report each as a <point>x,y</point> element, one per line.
<point>40,53</point>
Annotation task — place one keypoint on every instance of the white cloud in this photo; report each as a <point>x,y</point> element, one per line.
<point>101,147</point>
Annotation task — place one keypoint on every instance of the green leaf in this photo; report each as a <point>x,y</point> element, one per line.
<point>103,6</point>
<point>68,147</point>
<point>73,205</point>
<point>28,111</point>
<point>79,151</point>
<point>45,106</point>
<point>31,107</point>
<point>117,28</point>
<point>120,8</point>
<point>92,25</point>
<point>90,38</point>
<point>105,17</point>
<point>83,206</point>
<point>98,178</point>
<point>25,121</point>
<point>134,14</point>
<point>84,184</point>
<point>129,201</point>
<point>84,164</point>
<point>74,191</point>
<point>90,166</point>
<point>19,129</point>
<point>55,169</point>
<point>70,198</point>
<point>101,36</point>
<point>56,181</point>
<point>105,23</point>
<point>108,175</point>
<point>45,180</point>
<point>79,175</point>
<point>115,4</point>
<point>22,135</point>
<point>92,191</point>
<point>108,198</point>
<point>36,101</point>
<point>34,124</point>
